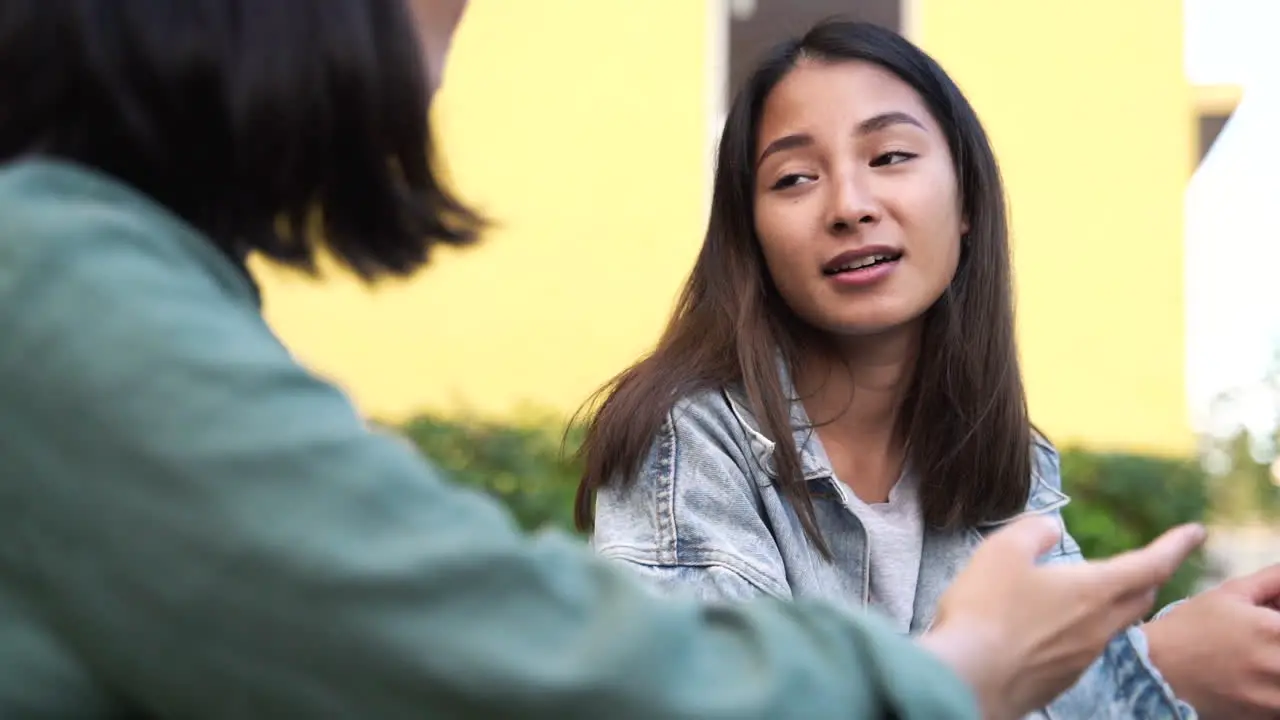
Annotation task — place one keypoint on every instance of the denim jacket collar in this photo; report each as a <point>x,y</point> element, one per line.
<point>1043,496</point>
<point>944,552</point>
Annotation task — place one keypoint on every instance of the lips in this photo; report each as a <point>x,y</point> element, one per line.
<point>860,259</point>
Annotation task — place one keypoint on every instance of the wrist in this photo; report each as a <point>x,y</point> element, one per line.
<point>1158,653</point>
<point>963,654</point>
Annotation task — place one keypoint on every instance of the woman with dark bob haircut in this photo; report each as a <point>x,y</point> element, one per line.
<point>836,410</point>
<point>194,526</point>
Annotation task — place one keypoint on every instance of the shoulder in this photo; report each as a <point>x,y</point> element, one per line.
<point>700,440</point>
<point>1046,463</point>
<point>695,496</point>
<point>1045,494</point>
<point>709,421</point>
<point>47,207</point>
<point>113,306</point>
<point>62,223</point>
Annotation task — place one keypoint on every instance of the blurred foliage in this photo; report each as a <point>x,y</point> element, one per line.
<point>1241,452</point>
<point>1242,490</point>
<point>1118,501</point>
<point>526,464</point>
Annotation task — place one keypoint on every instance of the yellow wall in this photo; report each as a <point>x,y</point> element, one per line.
<point>1088,108</point>
<point>580,128</point>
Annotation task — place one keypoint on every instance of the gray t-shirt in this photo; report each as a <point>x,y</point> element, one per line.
<point>895,539</point>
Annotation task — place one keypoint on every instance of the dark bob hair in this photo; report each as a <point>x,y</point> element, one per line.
<point>275,126</point>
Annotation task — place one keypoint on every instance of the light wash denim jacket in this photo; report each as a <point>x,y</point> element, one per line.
<point>705,516</point>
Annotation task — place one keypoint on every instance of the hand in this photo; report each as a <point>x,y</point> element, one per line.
<point>1021,633</point>
<point>1220,650</point>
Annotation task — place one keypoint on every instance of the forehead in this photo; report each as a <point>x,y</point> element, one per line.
<point>819,95</point>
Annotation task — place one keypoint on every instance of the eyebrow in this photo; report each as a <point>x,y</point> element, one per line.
<point>873,124</point>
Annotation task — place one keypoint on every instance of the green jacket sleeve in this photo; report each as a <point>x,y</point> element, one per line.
<point>217,534</point>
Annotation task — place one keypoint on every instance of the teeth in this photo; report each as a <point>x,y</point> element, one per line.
<point>862,262</point>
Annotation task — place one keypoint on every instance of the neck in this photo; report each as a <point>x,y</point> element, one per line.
<point>853,391</point>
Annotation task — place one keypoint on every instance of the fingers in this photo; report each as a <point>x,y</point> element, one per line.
<point>1260,588</point>
<point>1030,537</point>
<point>1132,609</point>
<point>1137,571</point>
<point>1264,627</point>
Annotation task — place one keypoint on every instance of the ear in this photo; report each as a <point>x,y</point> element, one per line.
<point>964,226</point>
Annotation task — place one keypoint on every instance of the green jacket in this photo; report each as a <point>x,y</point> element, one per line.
<point>193,526</point>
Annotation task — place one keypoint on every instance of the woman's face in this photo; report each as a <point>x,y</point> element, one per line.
<point>856,204</point>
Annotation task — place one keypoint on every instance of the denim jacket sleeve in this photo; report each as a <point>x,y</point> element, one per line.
<point>1123,682</point>
<point>691,521</point>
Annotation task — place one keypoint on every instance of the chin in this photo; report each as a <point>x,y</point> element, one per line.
<point>871,325</point>
<point>866,330</point>
<point>883,314</point>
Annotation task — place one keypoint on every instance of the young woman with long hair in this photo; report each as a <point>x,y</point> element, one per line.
<point>836,409</point>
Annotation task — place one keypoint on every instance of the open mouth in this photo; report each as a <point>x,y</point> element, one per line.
<point>862,263</point>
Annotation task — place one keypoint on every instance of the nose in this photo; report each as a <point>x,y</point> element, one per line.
<point>851,205</point>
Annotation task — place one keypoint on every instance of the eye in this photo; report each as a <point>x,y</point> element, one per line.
<point>792,180</point>
<point>892,158</point>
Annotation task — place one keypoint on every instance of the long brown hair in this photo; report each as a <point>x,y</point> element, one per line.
<point>964,416</point>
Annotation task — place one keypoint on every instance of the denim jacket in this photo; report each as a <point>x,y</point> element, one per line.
<point>705,516</point>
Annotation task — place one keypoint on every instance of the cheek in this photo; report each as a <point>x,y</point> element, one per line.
<point>938,270</point>
<point>782,245</point>
<point>949,257</point>
<point>936,237</point>
<point>780,263</point>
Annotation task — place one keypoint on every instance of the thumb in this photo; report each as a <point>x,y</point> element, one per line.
<point>1261,587</point>
<point>1029,538</point>
<point>1149,567</point>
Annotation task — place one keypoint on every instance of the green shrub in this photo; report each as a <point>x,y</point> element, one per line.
<point>1118,501</point>
<point>520,463</point>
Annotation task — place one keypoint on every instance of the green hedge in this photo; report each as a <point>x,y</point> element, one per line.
<point>521,464</point>
<point>1118,501</point>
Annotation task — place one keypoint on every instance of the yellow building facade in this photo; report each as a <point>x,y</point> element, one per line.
<point>584,131</point>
